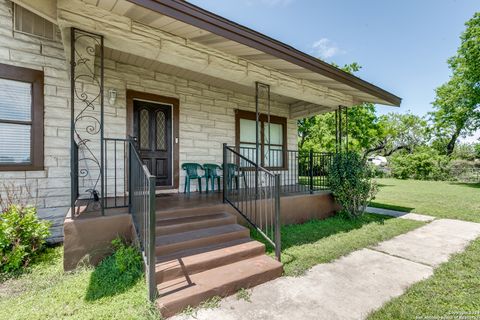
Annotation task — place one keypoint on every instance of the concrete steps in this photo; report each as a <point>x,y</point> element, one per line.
<point>177,294</point>
<point>199,238</point>
<point>176,225</point>
<point>189,262</point>
<point>201,254</point>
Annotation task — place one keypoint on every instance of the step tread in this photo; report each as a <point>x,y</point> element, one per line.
<point>201,259</point>
<point>221,281</point>
<point>183,254</point>
<point>186,236</point>
<point>173,221</point>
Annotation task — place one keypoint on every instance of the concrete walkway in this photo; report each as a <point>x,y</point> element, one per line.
<point>355,285</point>
<point>401,214</point>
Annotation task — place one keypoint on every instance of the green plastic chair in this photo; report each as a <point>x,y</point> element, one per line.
<point>211,172</point>
<point>234,173</point>
<point>191,172</point>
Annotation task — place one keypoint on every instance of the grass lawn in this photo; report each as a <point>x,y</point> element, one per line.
<point>453,292</point>
<point>437,198</point>
<point>321,241</point>
<point>44,291</point>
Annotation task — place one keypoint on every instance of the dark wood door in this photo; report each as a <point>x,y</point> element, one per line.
<point>152,125</point>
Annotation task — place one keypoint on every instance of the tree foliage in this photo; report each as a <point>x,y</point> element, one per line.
<point>350,180</point>
<point>456,106</point>
<point>399,131</point>
<point>367,132</point>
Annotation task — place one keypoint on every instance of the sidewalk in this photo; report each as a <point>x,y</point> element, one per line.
<point>352,286</point>
<point>400,214</point>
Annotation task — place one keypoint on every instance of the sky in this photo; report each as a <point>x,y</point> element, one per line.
<point>402,45</point>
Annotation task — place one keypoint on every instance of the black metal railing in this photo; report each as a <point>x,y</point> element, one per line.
<point>255,193</point>
<point>300,171</point>
<point>141,194</point>
<point>313,169</point>
<point>115,172</point>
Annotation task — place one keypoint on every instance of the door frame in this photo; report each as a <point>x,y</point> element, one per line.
<point>175,105</point>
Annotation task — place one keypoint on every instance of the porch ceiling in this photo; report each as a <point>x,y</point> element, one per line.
<point>185,20</point>
<point>150,64</point>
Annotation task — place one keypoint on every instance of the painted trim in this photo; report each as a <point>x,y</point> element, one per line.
<point>35,77</point>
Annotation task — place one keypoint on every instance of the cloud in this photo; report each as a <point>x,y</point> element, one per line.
<point>325,48</point>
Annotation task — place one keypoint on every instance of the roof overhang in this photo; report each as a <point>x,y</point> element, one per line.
<point>205,20</point>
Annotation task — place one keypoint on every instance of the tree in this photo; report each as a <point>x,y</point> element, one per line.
<point>318,132</point>
<point>457,101</point>
<point>399,132</point>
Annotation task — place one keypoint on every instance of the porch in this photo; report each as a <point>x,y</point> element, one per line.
<point>172,102</point>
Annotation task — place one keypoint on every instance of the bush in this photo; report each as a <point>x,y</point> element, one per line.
<point>350,180</point>
<point>22,237</point>
<point>423,164</point>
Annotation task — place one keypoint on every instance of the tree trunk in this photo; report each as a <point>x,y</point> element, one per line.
<point>453,141</point>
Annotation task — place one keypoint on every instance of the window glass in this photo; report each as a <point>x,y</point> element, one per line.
<point>276,134</point>
<point>161,131</point>
<point>273,156</point>
<point>144,129</point>
<point>15,100</point>
<point>248,151</point>
<point>272,146</point>
<point>14,143</point>
<point>247,130</point>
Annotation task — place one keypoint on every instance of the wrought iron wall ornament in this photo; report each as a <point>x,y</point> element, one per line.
<point>87,122</point>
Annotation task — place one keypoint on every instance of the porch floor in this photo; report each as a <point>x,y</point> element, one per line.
<point>178,201</point>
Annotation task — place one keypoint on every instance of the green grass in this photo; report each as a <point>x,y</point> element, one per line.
<point>321,241</point>
<point>437,198</point>
<point>453,292</point>
<point>44,291</point>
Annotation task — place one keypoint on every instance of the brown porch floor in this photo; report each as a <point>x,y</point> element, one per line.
<point>175,201</point>
<point>178,201</point>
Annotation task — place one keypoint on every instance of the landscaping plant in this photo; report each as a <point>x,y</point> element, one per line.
<point>423,164</point>
<point>22,236</point>
<point>350,180</point>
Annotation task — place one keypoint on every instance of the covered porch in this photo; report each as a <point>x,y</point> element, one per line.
<point>152,90</point>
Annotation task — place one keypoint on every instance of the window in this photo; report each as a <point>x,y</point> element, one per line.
<point>272,139</point>
<point>28,22</point>
<point>21,118</point>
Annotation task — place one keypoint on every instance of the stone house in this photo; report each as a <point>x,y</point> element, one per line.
<point>89,87</point>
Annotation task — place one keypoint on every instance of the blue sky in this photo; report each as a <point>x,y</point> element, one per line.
<point>402,45</point>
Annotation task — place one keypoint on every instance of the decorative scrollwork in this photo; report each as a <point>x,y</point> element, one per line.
<point>86,123</point>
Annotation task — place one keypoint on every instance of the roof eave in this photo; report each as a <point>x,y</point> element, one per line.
<point>198,17</point>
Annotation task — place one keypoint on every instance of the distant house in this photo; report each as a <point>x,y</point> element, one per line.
<point>105,105</point>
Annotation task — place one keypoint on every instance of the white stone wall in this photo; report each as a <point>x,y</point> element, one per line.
<point>50,187</point>
<point>207,116</point>
<point>207,113</point>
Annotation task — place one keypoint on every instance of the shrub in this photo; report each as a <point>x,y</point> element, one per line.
<point>22,237</point>
<point>350,180</point>
<point>423,164</point>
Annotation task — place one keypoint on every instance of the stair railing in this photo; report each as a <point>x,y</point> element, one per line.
<point>254,192</point>
<point>141,194</point>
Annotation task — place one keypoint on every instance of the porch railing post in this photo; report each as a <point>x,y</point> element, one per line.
<point>278,240</point>
<point>310,173</point>
<point>225,169</point>
<point>152,289</point>
<point>129,176</point>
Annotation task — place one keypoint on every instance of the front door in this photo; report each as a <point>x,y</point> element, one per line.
<point>152,127</point>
